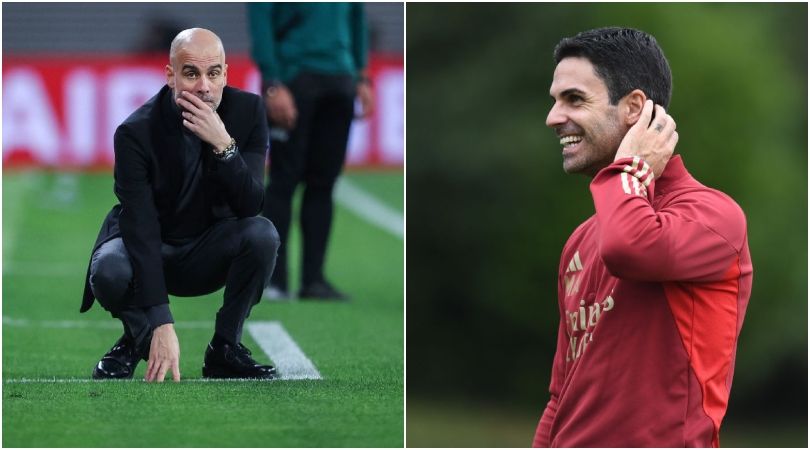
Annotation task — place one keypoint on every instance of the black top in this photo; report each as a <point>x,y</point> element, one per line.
<point>171,187</point>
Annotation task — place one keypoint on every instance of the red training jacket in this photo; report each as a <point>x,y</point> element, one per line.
<point>652,293</point>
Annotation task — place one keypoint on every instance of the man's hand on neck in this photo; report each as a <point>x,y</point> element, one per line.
<point>651,140</point>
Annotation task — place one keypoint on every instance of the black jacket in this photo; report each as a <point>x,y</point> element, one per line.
<point>149,174</point>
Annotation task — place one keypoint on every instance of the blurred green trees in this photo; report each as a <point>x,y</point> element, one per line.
<point>489,207</point>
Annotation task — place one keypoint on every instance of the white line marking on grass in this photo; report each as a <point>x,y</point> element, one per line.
<point>290,361</point>
<point>369,208</point>
<point>133,380</point>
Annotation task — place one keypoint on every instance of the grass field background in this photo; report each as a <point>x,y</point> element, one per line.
<point>50,221</point>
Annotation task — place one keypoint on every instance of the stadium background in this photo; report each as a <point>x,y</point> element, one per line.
<point>71,73</point>
<point>74,73</point>
<point>490,207</point>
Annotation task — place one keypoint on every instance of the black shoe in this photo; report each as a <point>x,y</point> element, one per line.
<point>321,290</point>
<point>120,362</point>
<point>234,361</point>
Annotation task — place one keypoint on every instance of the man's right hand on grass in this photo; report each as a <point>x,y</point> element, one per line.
<point>164,354</point>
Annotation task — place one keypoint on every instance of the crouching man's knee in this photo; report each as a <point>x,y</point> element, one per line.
<point>261,236</point>
<point>111,274</point>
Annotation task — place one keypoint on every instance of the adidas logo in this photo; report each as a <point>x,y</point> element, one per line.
<point>575,265</point>
<point>572,276</point>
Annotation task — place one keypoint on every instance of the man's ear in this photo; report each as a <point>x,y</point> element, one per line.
<point>631,105</point>
<point>170,76</point>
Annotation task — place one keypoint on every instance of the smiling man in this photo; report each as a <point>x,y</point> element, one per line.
<point>189,168</point>
<point>653,288</point>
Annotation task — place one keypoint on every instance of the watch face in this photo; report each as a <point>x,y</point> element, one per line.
<point>226,155</point>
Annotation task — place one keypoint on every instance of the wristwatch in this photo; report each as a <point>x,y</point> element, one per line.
<point>228,152</point>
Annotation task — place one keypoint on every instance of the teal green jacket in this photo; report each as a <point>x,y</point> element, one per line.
<point>327,38</point>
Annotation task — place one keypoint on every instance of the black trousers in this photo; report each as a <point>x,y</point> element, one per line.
<point>236,253</point>
<point>313,154</point>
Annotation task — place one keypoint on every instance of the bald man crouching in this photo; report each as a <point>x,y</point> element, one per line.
<point>189,168</point>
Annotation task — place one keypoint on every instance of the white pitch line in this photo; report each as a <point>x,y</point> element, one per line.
<point>369,208</point>
<point>290,361</point>
<point>90,380</point>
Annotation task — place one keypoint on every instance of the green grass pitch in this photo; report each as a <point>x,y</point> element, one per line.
<point>50,221</point>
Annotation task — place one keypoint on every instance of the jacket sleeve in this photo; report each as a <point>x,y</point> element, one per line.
<point>542,436</point>
<point>359,36</point>
<point>262,40</point>
<point>138,220</point>
<point>242,177</point>
<point>696,236</point>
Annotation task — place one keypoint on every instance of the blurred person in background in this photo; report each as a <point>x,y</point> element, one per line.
<point>159,34</point>
<point>312,58</point>
<point>653,288</point>
<point>189,169</point>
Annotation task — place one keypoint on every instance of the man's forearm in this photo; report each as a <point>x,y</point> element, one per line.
<point>243,192</point>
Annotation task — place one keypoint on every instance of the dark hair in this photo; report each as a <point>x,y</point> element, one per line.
<point>625,59</point>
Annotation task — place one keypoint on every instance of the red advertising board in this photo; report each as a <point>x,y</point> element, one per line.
<point>61,111</point>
